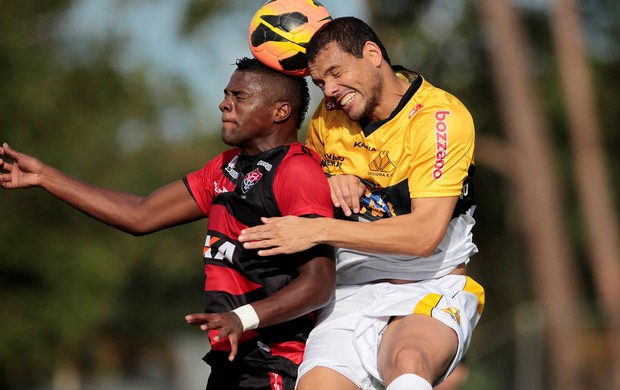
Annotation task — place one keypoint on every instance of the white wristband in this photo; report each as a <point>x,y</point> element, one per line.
<point>248,317</point>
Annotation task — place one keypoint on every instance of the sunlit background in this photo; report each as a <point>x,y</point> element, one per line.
<point>173,44</point>
<point>124,94</point>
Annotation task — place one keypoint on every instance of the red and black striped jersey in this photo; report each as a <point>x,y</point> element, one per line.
<point>234,191</point>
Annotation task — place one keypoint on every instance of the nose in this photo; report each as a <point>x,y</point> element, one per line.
<point>224,105</point>
<point>330,88</point>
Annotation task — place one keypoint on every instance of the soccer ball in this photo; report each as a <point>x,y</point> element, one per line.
<point>280,31</point>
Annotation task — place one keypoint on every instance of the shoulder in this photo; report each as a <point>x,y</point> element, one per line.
<point>300,165</point>
<point>226,156</point>
<point>299,153</point>
<point>212,167</point>
<point>434,99</point>
<point>436,110</point>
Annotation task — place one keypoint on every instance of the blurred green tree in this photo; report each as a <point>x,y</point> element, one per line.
<point>66,281</point>
<point>445,41</point>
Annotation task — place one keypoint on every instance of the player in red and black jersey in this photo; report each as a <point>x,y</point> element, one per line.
<point>234,191</point>
<point>258,309</point>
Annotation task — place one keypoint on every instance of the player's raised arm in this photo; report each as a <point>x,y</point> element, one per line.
<point>168,206</point>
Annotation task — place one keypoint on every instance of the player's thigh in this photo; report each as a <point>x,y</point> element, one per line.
<point>325,379</point>
<point>416,344</point>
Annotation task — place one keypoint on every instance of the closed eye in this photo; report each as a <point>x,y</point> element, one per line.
<point>319,83</point>
<point>237,95</point>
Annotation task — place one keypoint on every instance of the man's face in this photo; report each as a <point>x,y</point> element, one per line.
<point>354,84</point>
<point>246,111</point>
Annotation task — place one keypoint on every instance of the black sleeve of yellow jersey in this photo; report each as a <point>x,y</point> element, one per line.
<point>467,198</point>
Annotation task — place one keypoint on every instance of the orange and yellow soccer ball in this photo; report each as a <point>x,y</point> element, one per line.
<point>280,31</point>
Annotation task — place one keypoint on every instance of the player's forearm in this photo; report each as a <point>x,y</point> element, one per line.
<point>396,235</point>
<point>114,208</point>
<point>308,292</point>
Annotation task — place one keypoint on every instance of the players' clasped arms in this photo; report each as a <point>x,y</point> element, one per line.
<point>258,309</point>
<point>399,154</point>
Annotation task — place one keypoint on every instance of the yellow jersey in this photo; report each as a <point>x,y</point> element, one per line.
<point>424,149</point>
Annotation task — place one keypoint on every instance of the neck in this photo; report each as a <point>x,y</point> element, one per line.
<point>268,144</point>
<point>392,91</point>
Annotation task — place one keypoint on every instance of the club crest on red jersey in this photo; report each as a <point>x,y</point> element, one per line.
<point>250,180</point>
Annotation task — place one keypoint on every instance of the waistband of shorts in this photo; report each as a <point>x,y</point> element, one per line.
<point>460,270</point>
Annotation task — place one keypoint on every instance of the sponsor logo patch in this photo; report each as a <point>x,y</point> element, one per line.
<point>359,144</point>
<point>230,168</point>
<point>265,165</point>
<point>332,160</point>
<point>219,189</point>
<point>330,105</point>
<point>417,108</point>
<point>454,313</point>
<point>214,249</point>
<point>441,143</point>
<point>263,346</point>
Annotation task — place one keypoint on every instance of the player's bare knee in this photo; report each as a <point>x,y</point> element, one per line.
<point>407,359</point>
<point>324,378</point>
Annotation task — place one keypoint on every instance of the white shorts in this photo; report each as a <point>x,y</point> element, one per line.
<point>347,336</point>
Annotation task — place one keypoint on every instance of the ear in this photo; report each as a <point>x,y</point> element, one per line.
<point>282,111</point>
<point>372,52</point>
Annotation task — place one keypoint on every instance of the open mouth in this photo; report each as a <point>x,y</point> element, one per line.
<point>346,99</point>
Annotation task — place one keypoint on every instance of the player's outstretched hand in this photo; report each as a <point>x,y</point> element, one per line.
<point>281,235</point>
<point>346,191</point>
<point>18,170</point>
<point>229,325</point>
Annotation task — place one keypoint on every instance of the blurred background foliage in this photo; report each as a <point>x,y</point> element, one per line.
<point>72,289</point>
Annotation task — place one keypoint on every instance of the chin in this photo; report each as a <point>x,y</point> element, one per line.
<point>356,111</point>
<point>355,115</point>
<point>227,139</point>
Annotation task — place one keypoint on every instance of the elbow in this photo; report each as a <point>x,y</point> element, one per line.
<point>317,280</point>
<point>319,300</point>
<point>322,294</point>
<point>424,249</point>
<point>425,252</point>
<point>325,297</point>
<point>317,295</point>
<point>134,231</point>
<point>140,230</point>
<point>138,233</point>
<point>136,227</point>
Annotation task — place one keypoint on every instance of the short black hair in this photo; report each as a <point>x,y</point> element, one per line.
<point>292,89</point>
<point>350,33</point>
